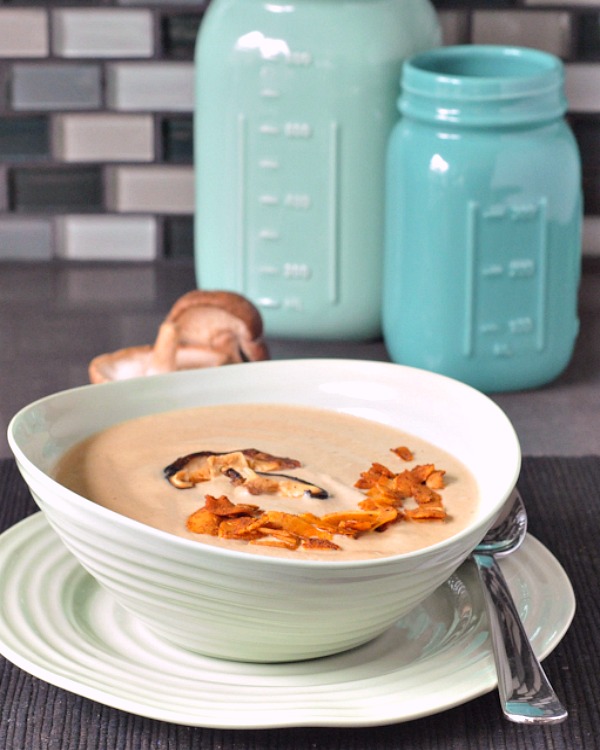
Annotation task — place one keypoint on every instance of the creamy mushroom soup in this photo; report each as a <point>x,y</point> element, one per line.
<point>123,468</point>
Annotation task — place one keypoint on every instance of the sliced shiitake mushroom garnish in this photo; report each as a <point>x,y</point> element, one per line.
<point>249,467</point>
<point>197,467</point>
<point>278,484</point>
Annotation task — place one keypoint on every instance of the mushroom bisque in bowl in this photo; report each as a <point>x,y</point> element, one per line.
<point>270,511</point>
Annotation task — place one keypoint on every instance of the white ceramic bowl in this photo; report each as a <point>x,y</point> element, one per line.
<point>234,605</point>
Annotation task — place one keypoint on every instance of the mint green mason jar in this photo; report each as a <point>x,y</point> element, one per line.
<point>294,105</point>
<point>483,218</point>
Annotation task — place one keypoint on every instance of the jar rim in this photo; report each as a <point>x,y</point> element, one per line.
<point>482,72</point>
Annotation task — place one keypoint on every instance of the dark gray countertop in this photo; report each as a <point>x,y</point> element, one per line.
<point>55,317</point>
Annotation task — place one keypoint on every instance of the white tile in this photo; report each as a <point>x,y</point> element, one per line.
<point>23,33</point>
<point>455,26</point>
<point>582,86</point>
<point>591,236</point>
<point>548,31</point>
<point>103,137</point>
<point>152,86</point>
<point>157,189</point>
<point>105,237</point>
<point>102,33</point>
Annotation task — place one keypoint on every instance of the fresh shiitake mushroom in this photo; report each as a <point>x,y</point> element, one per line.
<point>204,328</point>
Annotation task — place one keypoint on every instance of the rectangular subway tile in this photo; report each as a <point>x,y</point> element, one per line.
<point>23,138</point>
<point>155,86</point>
<point>3,188</point>
<point>167,4</point>
<point>179,237</point>
<point>564,3</point>
<point>5,84</point>
<point>101,137</point>
<point>54,86</point>
<point>587,36</point>
<point>591,192</point>
<point>591,236</point>
<point>474,3</point>
<point>455,26</point>
<point>29,239</point>
<point>106,237</point>
<point>546,30</point>
<point>23,32</point>
<point>582,86</point>
<point>177,140</point>
<point>105,32</point>
<point>178,35</point>
<point>155,189</point>
<point>56,189</point>
<point>587,133</point>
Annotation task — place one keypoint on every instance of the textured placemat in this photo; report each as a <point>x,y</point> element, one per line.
<point>563,498</point>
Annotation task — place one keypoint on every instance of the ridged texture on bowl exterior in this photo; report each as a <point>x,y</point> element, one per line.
<point>238,606</point>
<point>246,611</point>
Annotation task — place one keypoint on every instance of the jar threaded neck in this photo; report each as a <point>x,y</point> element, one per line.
<point>483,85</point>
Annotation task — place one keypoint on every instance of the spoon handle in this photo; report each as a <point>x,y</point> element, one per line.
<point>526,695</point>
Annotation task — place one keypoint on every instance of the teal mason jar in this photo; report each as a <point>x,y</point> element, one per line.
<point>294,105</point>
<point>483,218</point>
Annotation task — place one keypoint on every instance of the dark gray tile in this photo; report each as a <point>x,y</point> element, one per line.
<point>178,140</point>
<point>179,238</point>
<point>178,35</point>
<point>23,138</point>
<point>587,35</point>
<point>56,189</point>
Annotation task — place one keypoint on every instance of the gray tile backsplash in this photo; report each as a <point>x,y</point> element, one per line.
<point>55,86</point>
<point>96,104</point>
<point>31,238</point>
<point>550,31</point>
<point>56,189</point>
<point>24,138</point>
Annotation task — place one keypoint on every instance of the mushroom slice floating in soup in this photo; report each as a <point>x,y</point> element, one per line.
<point>282,484</point>
<point>249,467</point>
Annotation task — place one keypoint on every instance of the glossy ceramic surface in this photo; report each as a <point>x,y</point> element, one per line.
<point>483,219</point>
<point>294,104</point>
<point>249,607</point>
<point>59,625</point>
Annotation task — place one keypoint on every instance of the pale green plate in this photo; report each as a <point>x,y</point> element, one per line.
<point>59,625</point>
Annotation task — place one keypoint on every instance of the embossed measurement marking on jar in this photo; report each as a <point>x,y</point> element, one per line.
<point>289,248</point>
<point>506,279</point>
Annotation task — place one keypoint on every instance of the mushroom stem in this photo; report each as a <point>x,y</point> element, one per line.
<point>163,357</point>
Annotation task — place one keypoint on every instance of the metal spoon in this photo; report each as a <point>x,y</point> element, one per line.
<point>526,695</point>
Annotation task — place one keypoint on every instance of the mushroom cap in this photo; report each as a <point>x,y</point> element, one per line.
<point>230,302</point>
<point>202,329</point>
<point>225,322</point>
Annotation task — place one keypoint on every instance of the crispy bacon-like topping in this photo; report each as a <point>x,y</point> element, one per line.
<point>404,453</point>
<point>389,497</point>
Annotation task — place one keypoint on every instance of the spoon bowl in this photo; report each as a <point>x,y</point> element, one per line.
<point>509,530</point>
